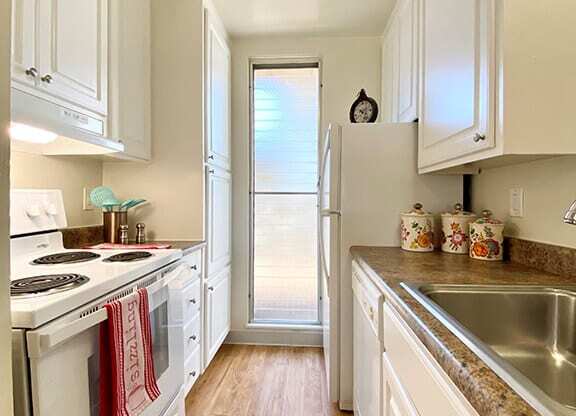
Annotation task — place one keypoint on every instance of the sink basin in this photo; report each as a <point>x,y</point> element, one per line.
<point>526,334</point>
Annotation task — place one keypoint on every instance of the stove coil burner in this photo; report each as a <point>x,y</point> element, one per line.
<point>128,257</point>
<point>66,258</point>
<point>46,284</point>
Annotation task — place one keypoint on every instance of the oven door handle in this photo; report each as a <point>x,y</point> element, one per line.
<point>44,340</point>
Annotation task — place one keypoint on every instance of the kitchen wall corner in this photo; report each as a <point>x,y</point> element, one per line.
<point>549,187</point>
<point>174,181</point>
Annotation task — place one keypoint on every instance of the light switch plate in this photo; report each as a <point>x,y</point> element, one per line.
<point>517,202</point>
<point>86,202</point>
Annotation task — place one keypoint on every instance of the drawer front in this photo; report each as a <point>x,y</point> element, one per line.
<point>369,297</point>
<point>429,388</point>
<point>191,296</point>
<point>396,401</point>
<point>191,336</point>
<point>194,260</point>
<point>192,370</point>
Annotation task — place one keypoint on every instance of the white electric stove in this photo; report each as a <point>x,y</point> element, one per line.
<point>57,298</point>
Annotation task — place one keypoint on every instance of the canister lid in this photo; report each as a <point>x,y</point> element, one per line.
<point>458,211</point>
<point>486,218</point>
<point>417,211</point>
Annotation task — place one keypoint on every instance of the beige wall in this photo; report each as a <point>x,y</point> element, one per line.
<point>68,173</point>
<point>5,335</point>
<point>549,186</point>
<point>348,64</point>
<point>173,182</point>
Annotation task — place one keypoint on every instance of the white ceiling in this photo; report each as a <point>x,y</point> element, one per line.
<point>280,17</point>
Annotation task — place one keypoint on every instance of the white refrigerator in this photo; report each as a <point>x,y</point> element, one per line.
<point>368,176</point>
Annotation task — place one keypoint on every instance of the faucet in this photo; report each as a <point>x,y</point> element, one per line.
<point>570,215</point>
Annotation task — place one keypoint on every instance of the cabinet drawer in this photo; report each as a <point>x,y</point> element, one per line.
<point>192,370</point>
<point>191,298</point>
<point>429,388</point>
<point>194,260</point>
<point>396,401</point>
<point>191,336</point>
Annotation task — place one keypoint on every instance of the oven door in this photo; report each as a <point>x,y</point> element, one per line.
<point>64,355</point>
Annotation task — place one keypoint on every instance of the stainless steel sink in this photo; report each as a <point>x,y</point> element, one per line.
<point>526,334</point>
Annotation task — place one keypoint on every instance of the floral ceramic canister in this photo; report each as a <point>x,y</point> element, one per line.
<point>455,230</point>
<point>417,230</point>
<point>486,238</point>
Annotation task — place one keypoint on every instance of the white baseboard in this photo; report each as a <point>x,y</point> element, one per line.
<point>294,338</point>
<point>346,405</point>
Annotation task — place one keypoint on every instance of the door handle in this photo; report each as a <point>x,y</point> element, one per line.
<point>32,72</point>
<point>47,79</point>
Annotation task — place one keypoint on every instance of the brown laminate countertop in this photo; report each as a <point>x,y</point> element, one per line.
<point>389,267</point>
<point>187,247</point>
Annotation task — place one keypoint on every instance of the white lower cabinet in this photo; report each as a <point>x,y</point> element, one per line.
<point>192,319</point>
<point>394,373</point>
<point>417,383</point>
<point>217,301</point>
<point>367,346</point>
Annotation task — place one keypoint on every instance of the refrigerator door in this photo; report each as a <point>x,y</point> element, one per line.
<point>329,242</point>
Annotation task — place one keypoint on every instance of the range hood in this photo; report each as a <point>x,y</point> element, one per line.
<point>77,133</point>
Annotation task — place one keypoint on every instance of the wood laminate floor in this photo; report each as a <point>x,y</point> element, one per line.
<point>249,380</point>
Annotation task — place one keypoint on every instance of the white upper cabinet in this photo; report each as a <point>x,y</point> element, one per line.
<point>68,40</point>
<point>24,65</point>
<point>457,79</point>
<point>218,145</point>
<point>497,82</point>
<point>130,77</point>
<point>400,64</point>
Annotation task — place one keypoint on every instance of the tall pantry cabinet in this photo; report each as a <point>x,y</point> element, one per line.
<point>218,227</point>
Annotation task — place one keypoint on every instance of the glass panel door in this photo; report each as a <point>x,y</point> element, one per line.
<point>286,103</point>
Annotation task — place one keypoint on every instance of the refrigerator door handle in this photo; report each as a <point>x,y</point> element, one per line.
<point>322,252</point>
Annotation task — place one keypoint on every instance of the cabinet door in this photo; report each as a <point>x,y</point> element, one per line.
<point>457,79</point>
<point>217,98</point>
<point>390,74</point>
<point>130,77</point>
<point>407,33</point>
<point>219,215</point>
<point>73,51</point>
<point>217,297</point>
<point>24,23</point>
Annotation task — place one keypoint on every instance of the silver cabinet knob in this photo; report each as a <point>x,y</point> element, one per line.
<point>211,288</point>
<point>193,301</point>
<point>193,373</point>
<point>479,137</point>
<point>47,79</point>
<point>192,338</point>
<point>211,171</point>
<point>32,72</point>
<point>194,267</point>
<point>211,157</point>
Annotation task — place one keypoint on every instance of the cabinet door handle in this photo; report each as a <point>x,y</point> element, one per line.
<point>479,137</point>
<point>211,171</point>
<point>32,72</point>
<point>194,267</point>
<point>193,301</point>
<point>193,373</point>
<point>193,338</point>
<point>211,288</point>
<point>211,157</point>
<point>47,79</point>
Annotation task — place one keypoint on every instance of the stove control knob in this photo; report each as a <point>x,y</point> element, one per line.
<point>51,209</point>
<point>33,211</point>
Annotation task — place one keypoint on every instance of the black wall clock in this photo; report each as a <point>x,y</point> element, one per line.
<point>364,109</point>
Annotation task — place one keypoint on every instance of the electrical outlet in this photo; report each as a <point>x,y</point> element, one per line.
<point>86,202</point>
<point>517,202</point>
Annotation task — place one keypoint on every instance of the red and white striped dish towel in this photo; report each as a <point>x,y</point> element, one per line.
<point>127,380</point>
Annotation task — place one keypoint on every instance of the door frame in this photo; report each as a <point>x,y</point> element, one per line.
<point>277,62</point>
